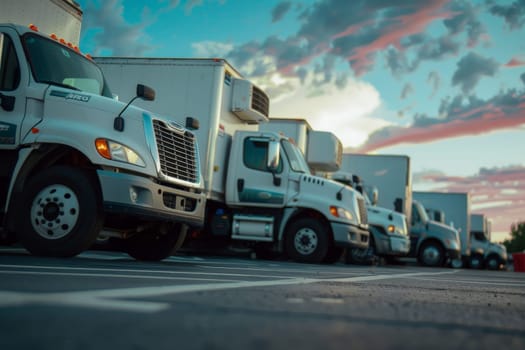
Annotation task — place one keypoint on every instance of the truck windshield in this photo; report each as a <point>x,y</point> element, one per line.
<point>54,63</point>
<point>295,157</point>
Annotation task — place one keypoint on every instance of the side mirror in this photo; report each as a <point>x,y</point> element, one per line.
<point>274,151</point>
<point>145,92</point>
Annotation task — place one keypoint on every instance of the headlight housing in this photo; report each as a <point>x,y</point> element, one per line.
<point>116,151</point>
<point>342,213</point>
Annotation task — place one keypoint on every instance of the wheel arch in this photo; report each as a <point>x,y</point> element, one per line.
<point>302,213</point>
<point>38,159</point>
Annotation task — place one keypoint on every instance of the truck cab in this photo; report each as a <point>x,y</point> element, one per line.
<point>432,243</point>
<point>78,164</point>
<point>271,196</point>
<point>484,253</point>
<point>388,229</point>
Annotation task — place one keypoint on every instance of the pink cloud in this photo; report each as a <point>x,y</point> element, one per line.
<point>490,118</point>
<point>406,25</point>
<point>515,62</point>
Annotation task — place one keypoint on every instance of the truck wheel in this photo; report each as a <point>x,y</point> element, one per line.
<point>306,241</point>
<point>153,244</point>
<point>60,213</point>
<point>431,254</point>
<point>362,256</point>
<point>493,262</point>
<point>476,261</point>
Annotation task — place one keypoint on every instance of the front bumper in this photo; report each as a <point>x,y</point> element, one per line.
<point>139,196</point>
<point>392,245</point>
<point>350,236</point>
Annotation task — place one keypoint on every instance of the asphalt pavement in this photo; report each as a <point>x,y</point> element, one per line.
<point>106,300</point>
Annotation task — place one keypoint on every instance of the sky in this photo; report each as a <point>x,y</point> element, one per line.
<point>442,81</point>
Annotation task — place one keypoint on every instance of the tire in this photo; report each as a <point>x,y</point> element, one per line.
<point>493,262</point>
<point>307,241</point>
<point>154,244</point>
<point>333,255</point>
<point>476,262</point>
<point>431,254</point>
<point>60,212</point>
<point>362,256</point>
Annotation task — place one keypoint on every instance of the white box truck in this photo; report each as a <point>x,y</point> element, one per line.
<point>432,243</point>
<point>456,209</point>
<point>60,17</point>
<point>77,164</point>
<point>259,188</point>
<point>389,238</point>
<point>484,253</point>
<point>388,229</point>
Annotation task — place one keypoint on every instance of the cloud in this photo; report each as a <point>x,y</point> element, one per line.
<point>498,192</point>
<point>504,111</point>
<point>466,21</point>
<point>522,76</point>
<point>346,112</point>
<point>112,33</point>
<point>434,80</point>
<point>471,68</point>
<point>211,49</point>
<point>407,90</point>
<point>280,11</point>
<point>513,14</point>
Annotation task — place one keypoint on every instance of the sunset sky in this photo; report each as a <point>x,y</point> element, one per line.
<point>441,81</point>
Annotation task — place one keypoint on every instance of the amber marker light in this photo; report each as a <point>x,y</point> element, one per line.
<point>102,148</point>
<point>333,211</point>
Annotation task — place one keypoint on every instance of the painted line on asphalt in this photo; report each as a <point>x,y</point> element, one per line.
<point>483,282</point>
<point>109,298</point>
<point>167,272</point>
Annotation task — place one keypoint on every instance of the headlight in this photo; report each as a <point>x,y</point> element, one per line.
<point>341,213</point>
<point>116,151</point>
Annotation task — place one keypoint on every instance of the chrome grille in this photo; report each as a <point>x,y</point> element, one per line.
<point>362,210</point>
<point>260,102</point>
<point>177,152</point>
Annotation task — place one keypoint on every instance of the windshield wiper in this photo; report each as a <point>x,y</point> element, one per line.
<point>67,86</point>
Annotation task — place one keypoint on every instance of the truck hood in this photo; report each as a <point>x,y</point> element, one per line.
<point>327,193</point>
<point>383,217</point>
<point>442,229</point>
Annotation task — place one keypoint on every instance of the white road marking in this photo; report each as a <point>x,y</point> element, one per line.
<point>168,272</point>
<point>108,298</point>
<point>328,300</point>
<point>483,282</point>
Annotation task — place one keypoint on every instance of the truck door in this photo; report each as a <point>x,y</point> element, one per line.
<point>252,183</point>
<point>12,109</point>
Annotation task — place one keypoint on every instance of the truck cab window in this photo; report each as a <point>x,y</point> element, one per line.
<point>256,155</point>
<point>9,67</point>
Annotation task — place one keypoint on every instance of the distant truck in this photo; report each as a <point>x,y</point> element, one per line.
<point>432,243</point>
<point>60,17</point>
<point>456,209</point>
<point>260,192</point>
<point>77,164</point>
<point>484,253</point>
<point>389,237</point>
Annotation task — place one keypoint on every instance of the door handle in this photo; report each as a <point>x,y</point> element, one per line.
<point>240,185</point>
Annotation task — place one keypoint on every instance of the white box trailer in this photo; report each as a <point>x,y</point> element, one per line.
<point>456,208</point>
<point>60,17</point>
<point>259,189</point>
<point>322,149</point>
